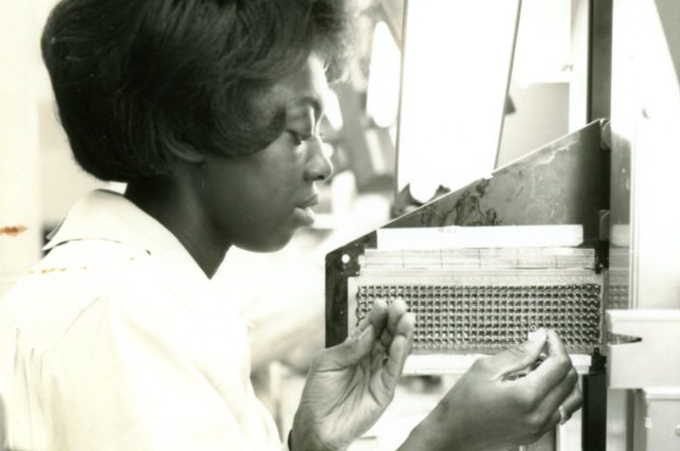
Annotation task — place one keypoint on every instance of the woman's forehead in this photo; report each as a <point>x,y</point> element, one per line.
<point>307,87</point>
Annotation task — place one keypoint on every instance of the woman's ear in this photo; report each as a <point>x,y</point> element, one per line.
<point>187,153</point>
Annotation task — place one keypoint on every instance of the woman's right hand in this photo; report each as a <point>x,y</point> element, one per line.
<point>491,408</point>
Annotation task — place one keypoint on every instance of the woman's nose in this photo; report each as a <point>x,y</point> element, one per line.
<point>319,166</point>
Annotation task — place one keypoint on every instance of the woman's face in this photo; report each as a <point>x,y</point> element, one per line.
<point>258,201</point>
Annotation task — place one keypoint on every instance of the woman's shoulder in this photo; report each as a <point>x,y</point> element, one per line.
<point>72,279</point>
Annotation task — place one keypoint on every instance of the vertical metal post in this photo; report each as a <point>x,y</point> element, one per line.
<point>600,60</point>
<point>589,99</point>
<point>594,412</point>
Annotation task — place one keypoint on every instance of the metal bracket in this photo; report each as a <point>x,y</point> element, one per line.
<point>643,348</point>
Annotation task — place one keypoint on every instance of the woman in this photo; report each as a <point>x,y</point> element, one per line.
<point>210,111</point>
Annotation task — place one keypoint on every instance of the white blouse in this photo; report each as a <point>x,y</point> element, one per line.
<point>116,341</point>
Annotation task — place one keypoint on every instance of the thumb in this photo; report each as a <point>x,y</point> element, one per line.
<point>520,356</point>
<point>349,352</point>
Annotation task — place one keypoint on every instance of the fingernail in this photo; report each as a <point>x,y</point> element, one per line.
<point>358,332</point>
<point>366,331</point>
<point>402,301</point>
<point>355,333</point>
<point>538,336</point>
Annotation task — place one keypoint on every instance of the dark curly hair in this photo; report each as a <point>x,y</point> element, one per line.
<point>134,77</point>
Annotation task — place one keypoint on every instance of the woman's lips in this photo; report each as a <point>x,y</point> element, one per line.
<point>305,215</point>
<point>312,201</point>
<point>304,211</point>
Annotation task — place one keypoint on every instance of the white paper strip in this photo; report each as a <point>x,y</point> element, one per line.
<point>460,363</point>
<point>456,237</point>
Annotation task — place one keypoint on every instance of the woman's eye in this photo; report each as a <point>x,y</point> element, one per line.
<point>298,138</point>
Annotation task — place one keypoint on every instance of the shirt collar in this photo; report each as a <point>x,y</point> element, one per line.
<point>109,216</point>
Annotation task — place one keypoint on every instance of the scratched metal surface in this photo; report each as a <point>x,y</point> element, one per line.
<point>564,182</point>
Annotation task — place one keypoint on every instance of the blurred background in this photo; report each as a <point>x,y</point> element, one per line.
<point>493,85</point>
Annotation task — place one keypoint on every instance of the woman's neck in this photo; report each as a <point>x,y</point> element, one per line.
<point>180,213</point>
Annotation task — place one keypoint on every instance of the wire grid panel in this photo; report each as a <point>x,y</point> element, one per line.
<point>469,312</point>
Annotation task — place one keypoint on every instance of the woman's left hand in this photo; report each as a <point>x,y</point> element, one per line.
<point>350,385</point>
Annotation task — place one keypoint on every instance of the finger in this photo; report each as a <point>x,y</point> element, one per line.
<point>377,317</point>
<point>410,332</point>
<point>571,404</point>
<point>520,356</point>
<point>558,395</point>
<point>395,311</point>
<point>405,326</point>
<point>553,369</point>
<point>394,365</point>
<point>347,353</point>
<point>398,351</point>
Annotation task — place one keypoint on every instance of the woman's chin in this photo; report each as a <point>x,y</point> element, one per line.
<point>271,243</point>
